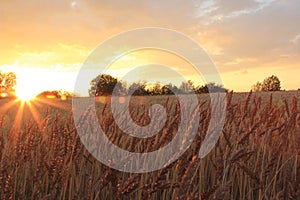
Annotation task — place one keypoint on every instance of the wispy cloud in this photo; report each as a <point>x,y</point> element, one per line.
<point>296,39</point>
<point>216,10</point>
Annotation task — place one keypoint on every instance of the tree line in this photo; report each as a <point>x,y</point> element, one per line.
<point>106,84</point>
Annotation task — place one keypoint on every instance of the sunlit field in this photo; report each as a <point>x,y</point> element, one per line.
<point>257,155</point>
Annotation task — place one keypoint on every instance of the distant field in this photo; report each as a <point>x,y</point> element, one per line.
<point>256,157</point>
<point>9,109</point>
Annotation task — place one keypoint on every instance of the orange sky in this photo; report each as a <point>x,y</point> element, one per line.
<point>46,42</point>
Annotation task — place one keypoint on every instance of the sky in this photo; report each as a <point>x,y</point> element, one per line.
<point>46,42</point>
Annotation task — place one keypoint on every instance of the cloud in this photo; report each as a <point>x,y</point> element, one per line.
<point>262,37</point>
<point>296,39</point>
<point>74,4</point>
<point>237,34</point>
<point>211,11</point>
<point>241,72</point>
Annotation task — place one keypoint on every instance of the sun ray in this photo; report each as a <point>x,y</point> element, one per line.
<point>35,115</point>
<point>18,119</point>
<point>54,103</point>
<point>8,105</point>
<point>36,103</point>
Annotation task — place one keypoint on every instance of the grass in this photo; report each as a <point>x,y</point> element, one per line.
<point>257,155</point>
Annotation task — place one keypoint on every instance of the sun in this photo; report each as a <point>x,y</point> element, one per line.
<point>25,93</point>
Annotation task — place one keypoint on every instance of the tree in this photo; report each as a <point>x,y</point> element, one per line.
<point>257,87</point>
<point>49,94</point>
<point>210,87</point>
<point>271,83</point>
<point>64,95</point>
<point>57,94</point>
<point>105,84</point>
<point>138,88</point>
<point>187,87</point>
<point>156,89</point>
<point>8,81</point>
<point>169,89</point>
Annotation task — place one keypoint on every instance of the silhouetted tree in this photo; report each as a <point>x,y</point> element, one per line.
<point>58,94</point>
<point>7,85</point>
<point>257,87</point>
<point>210,87</point>
<point>45,94</point>
<point>138,88</point>
<point>105,84</point>
<point>156,89</point>
<point>8,81</point>
<point>169,89</point>
<point>271,83</point>
<point>187,87</point>
<point>65,94</point>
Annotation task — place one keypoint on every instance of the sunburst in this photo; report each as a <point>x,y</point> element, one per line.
<point>23,109</point>
<point>24,93</point>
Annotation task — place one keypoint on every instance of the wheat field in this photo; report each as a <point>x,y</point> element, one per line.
<point>256,157</point>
